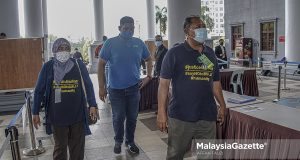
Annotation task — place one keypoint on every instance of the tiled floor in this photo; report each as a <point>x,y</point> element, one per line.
<point>152,143</point>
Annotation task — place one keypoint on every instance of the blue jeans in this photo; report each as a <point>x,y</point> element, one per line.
<point>125,105</point>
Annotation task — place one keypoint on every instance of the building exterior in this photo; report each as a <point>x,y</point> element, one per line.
<point>216,12</point>
<point>261,20</point>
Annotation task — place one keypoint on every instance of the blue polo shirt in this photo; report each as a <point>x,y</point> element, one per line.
<point>192,83</point>
<point>124,57</point>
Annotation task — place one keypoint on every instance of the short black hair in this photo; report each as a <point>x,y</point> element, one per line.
<point>3,34</point>
<point>104,38</point>
<point>126,19</point>
<point>221,40</point>
<point>160,37</point>
<point>188,21</point>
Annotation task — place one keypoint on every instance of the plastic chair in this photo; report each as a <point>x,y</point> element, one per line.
<point>236,81</point>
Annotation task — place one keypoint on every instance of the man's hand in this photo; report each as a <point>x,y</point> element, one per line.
<point>221,115</point>
<point>144,82</point>
<point>162,123</point>
<point>102,94</point>
<point>36,121</point>
<point>94,113</point>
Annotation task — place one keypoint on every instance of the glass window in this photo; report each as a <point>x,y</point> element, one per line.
<point>236,32</point>
<point>267,36</point>
<point>221,8</point>
<point>221,2</point>
<point>221,20</point>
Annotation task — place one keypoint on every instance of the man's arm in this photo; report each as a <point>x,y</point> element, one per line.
<point>217,90</point>
<point>101,79</point>
<point>149,66</point>
<point>218,52</point>
<point>147,79</point>
<point>163,91</point>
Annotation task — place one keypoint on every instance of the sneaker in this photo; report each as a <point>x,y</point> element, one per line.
<point>133,148</point>
<point>117,148</point>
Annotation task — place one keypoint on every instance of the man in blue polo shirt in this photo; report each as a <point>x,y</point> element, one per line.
<point>192,112</point>
<point>124,54</point>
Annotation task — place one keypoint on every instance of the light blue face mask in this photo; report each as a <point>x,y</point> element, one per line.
<point>200,35</point>
<point>158,43</point>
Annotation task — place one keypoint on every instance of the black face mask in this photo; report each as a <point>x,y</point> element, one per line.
<point>221,43</point>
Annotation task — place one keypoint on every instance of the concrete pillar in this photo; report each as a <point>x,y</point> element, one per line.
<point>151,19</point>
<point>33,16</point>
<point>9,18</point>
<point>99,32</point>
<point>99,20</point>
<point>178,10</point>
<point>292,33</point>
<point>45,30</point>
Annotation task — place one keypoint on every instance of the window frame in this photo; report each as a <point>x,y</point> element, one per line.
<point>232,36</point>
<point>261,22</point>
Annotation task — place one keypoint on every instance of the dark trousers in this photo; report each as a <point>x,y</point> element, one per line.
<point>125,106</point>
<point>181,133</point>
<point>71,137</point>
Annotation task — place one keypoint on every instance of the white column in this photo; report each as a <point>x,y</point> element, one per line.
<point>99,32</point>
<point>292,33</point>
<point>151,19</point>
<point>33,17</point>
<point>45,29</point>
<point>99,20</point>
<point>9,18</point>
<point>178,10</point>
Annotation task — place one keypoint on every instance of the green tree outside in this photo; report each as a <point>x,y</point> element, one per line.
<point>206,18</point>
<point>161,18</point>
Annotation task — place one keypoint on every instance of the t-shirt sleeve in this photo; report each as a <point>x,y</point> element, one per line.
<point>146,52</point>
<point>168,66</point>
<point>105,51</point>
<point>216,75</point>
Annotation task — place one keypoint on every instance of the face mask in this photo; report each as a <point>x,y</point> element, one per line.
<point>158,43</point>
<point>200,35</point>
<point>221,43</point>
<point>127,34</point>
<point>62,56</point>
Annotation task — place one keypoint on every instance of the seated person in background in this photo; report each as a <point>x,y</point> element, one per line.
<point>3,36</point>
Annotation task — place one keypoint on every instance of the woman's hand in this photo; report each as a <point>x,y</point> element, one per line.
<point>94,113</point>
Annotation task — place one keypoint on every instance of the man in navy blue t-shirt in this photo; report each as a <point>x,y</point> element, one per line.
<point>192,112</point>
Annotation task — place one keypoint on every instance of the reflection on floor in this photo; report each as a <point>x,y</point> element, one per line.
<point>152,143</point>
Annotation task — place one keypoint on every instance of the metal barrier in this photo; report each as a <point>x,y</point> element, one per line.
<point>279,86</point>
<point>33,151</point>
<point>12,135</point>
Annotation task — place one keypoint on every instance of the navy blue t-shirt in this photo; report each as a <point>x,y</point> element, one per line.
<point>192,83</point>
<point>70,110</point>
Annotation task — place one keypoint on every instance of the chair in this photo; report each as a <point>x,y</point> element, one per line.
<point>236,81</point>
